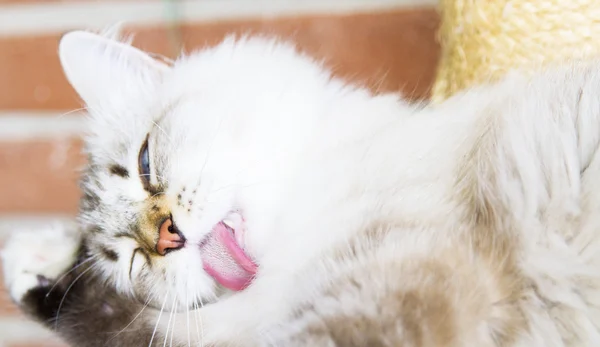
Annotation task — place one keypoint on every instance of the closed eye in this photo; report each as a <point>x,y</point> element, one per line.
<point>144,164</point>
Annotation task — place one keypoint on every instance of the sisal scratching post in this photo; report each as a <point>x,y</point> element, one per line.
<point>483,39</point>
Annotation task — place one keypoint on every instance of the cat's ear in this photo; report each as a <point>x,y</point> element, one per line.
<point>102,70</point>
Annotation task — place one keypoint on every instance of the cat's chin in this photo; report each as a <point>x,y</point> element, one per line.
<point>224,257</point>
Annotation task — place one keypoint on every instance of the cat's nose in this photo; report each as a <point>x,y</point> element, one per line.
<point>169,238</point>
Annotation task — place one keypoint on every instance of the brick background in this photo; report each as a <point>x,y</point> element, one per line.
<point>395,51</point>
<point>40,176</point>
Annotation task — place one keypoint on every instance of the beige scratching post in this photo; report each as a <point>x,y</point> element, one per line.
<point>482,39</point>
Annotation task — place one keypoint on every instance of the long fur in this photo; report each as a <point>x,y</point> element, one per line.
<point>374,222</point>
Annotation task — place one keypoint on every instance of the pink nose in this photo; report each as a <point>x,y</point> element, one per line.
<point>169,238</point>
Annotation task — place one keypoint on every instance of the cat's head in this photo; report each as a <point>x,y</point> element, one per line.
<point>168,148</point>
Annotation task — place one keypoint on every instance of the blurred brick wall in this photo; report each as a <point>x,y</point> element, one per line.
<point>387,49</point>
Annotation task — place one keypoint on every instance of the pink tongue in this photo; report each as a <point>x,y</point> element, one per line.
<point>226,261</point>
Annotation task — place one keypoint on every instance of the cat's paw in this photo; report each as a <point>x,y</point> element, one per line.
<point>33,258</point>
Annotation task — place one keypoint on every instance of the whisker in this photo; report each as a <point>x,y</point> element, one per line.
<point>72,111</point>
<point>134,318</point>
<point>67,273</point>
<point>157,194</point>
<point>158,319</point>
<point>67,292</point>
<point>188,317</point>
<point>169,323</point>
<point>198,318</point>
<point>163,131</point>
<point>195,308</point>
<point>201,324</point>
<point>174,318</point>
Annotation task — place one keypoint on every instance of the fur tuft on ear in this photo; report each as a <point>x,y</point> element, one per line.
<point>115,33</point>
<point>106,72</point>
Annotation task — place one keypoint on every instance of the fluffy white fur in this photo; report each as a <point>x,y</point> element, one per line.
<point>499,184</point>
<point>246,125</point>
<point>32,252</point>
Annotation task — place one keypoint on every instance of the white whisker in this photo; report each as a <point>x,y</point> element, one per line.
<point>188,317</point>
<point>72,111</point>
<point>67,292</point>
<point>169,323</point>
<point>159,193</point>
<point>174,318</point>
<point>163,131</point>
<point>136,316</point>
<point>158,319</point>
<point>67,273</point>
<point>199,328</point>
<point>195,308</point>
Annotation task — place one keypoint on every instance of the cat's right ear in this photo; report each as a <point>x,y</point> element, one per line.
<point>104,71</point>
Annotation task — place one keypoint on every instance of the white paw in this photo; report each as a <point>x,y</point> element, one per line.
<point>32,257</point>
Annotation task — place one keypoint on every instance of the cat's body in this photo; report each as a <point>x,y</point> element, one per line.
<point>373,222</point>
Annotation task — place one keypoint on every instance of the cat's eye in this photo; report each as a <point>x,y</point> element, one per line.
<point>144,163</point>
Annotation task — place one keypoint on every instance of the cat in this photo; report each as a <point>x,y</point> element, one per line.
<point>244,197</point>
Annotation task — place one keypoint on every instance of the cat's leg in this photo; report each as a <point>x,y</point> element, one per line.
<point>32,262</point>
<point>49,277</point>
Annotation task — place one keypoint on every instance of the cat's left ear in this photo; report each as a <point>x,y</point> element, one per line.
<point>105,71</point>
